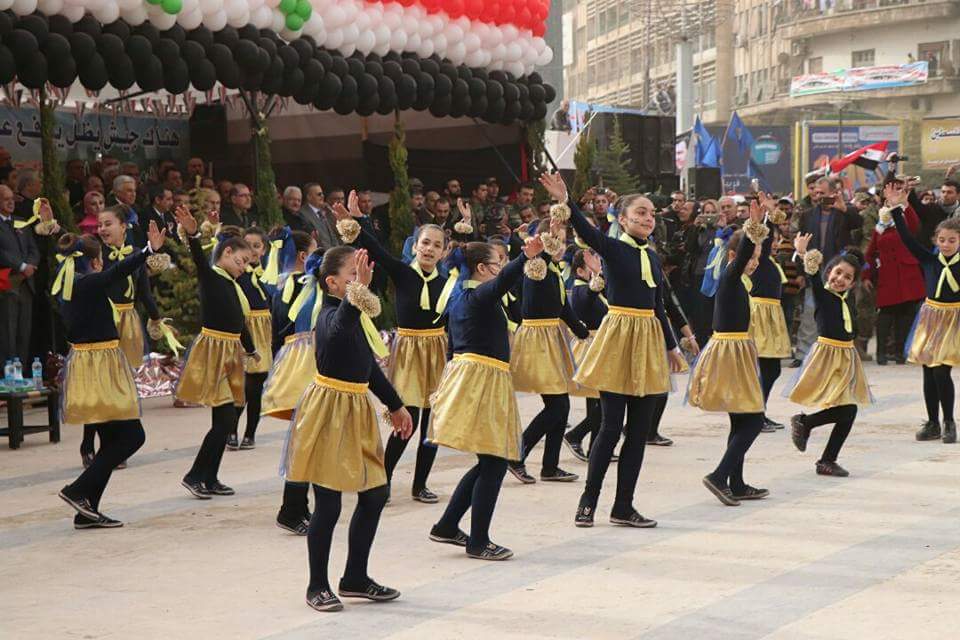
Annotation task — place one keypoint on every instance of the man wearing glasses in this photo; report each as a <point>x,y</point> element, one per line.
<point>238,212</point>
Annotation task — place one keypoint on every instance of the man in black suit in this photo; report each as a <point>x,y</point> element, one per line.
<point>237,212</point>
<point>161,201</point>
<point>19,254</point>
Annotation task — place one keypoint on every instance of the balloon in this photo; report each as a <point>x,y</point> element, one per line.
<point>172,7</point>
<point>26,7</point>
<point>294,22</point>
<point>215,21</point>
<point>50,7</point>
<point>203,75</point>
<point>262,17</point>
<point>120,72</point>
<point>191,20</point>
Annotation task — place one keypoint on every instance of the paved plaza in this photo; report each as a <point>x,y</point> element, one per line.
<point>873,556</point>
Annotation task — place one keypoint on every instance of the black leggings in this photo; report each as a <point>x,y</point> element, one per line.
<point>253,392</point>
<point>769,372</point>
<point>295,505</point>
<point>938,392</point>
<point>206,466</point>
<point>425,452</point>
<point>363,528</point>
<point>898,319</point>
<point>744,429</point>
<point>639,413</point>
<point>87,445</point>
<point>477,490</point>
<point>842,418</point>
<point>590,424</point>
<point>658,410</point>
<point>550,422</point>
<point>119,440</point>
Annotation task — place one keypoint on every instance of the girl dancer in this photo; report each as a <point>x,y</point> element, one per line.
<point>475,408</point>
<point>97,384</point>
<point>832,376</point>
<point>213,374</point>
<point>731,356</point>
<point>541,361</point>
<point>936,334</point>
<point>626,361</point>
<point>334,440</point>
<point>285,265</point>
<point>419,351</point>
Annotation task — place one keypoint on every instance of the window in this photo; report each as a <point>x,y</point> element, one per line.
<point>815,65</point>
<point>862,58</point>
<point>591,28</point>
<point>936,54</point>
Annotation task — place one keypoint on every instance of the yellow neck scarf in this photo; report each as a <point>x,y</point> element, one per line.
<point>446,292</point>
<point>22,224</point>
<point>747,282</point>
<point>309,286</point>
<point>64,280</point>
<point>581,283</point>
<point>717,263</point>
<point>288,286</point>
<point>646,270</point>
<point>271,275</point>
<point>946,275</point>
<point>845,308</point>
<point>244,303</point>
<point>379,349</point>
<point>425,290</point>
<point>563,290</point>
<point>783,276</point>
<point>116,255</point>
<point>511,325</point>
<point>253,271</point>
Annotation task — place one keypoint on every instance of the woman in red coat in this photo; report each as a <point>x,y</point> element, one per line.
<point>896,274</point>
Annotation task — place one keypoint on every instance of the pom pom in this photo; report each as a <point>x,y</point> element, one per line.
<point>348,229</point>
<point>208,229</point>
<point>756,231</point>
<point>597,283</point>
<point>522,232</point>
<point>560,212</point>
<point>777,217</point>
<point>462,227</point>
<point>158,263</point>
<point>46,228</point>
<point>155,329</point>
<point>812,261</point>
<point>362,298</point>
<point>886,215</point>
<point>535,269</point>
<point>551,244</point>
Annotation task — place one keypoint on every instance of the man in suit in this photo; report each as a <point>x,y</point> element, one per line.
<point>317,213</point>
<point>161,203</point>
<point>238,211</point>
<point>292,199</point>
<point>19,254</point>
<point>28,189</point>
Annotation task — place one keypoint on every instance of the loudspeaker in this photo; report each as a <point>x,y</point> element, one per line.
<point>650,138</point>
<point>705,182</point>
<point>668,145</point>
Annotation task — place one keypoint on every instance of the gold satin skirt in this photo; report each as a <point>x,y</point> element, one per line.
<point>768,328</point>
<point>293,369</point>
<point>475,410</point>
<point>628,355</point>
<point>540,360</point>
<point>131,334</point>
<point>726,377</point>
<point>213,373</point>
<point>97,385</point>
<point>334,438</point>
<point>417,358</point>
<point>578,348</point>
<point>832,376</point>
<point>260,326</point>
<point>936,335</point>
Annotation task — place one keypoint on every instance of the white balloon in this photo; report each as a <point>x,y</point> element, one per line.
<point>50,7</point>
<point>215,21</point>
<point>210,6</point>
<point>413,43</point>
<point>350,12</point>
<point>471,42</point>
<point>135,16</point>
<point>6,4</point>
<point>190,20</point>
<point>392,20</point>
<point>457,52</point>
<point>26,7</point>
<point>516,68</point>
<point>238,20</point>
<point>474,59</point>
<point>546,56</point>
<point>235,7</point>
<point>365,42</point>
<point>278,21</point>
<point>529,56</point>
<point>363,21</point>
<point>351,33</point>
<point>539,44</point>
<point>510,32</point>
<point>398,41</point>
<point>334,39</point>
<point>262,18</point>
<point>453,33</point>
<point>334,17</point>
<point>410,26</point>
<point>426,48</point>
<point>499,52</point>
<point>495,65</point>
<point>107,13</point>
<point>189,6</point>
<point>440,43</point>
<point>382,35</point>
<point>347,49</point>
<point>513,52</point>
<point>73,13</point>
<point>495,38</point>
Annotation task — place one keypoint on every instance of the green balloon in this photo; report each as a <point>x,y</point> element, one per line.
<point>154,1</point>
<point>287,6</point>
<point>172,7</point>
<point>304,9</point>
<point>294,22</point>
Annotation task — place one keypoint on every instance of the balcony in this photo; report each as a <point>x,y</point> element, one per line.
<point>848,15</point>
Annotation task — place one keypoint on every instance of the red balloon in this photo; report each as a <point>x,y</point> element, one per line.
<point>454,8</point>
<point>508,13</point>
<point>474,9</point>
<point>539,30</point>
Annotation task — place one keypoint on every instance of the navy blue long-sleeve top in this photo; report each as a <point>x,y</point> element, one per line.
<point>587,304</point>
<point>283,326</point>
<point>141,286</point>
<point>766,279</point>
<point>220,308</point>
<point>929,262</point>
<point>829,310</point>
<point>88,315</point>
<point>541,299</point>
<point>621,269</point>
<point>343,353</point>
<point>477,323</point>
<point>257,297</point>
<point>731,313</point>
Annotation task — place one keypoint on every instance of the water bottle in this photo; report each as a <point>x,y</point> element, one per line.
<point>8,371</point>
<point>17,369</point>
<point>37,371</point>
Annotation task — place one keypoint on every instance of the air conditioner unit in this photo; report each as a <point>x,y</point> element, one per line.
<point>798,48</point>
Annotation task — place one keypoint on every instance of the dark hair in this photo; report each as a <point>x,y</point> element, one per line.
<point>442,200</point>
<point>950,224</point>
<point>86,244</point>
<point>578,261</point>
<point>527,185</point>
<point>333,260</point>
<point>301,240</point>
<point>118,212</point>
<point>257,231</point>
<point>951,183</point>
<point>852,257</point>
<point>734,242</point>
<point>234,243</point>
<point>428,227</point>
<point>156,191</point>
<point>230,231</point>
<point>475,254</point>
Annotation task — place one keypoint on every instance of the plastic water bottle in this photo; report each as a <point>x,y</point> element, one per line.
<point>37,373</point>
<point>8,371</point>
<point>17,369</point>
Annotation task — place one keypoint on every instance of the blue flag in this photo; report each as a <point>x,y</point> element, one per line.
<point>708,149</point>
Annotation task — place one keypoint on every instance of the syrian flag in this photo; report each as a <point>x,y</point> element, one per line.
<point>867,157</point>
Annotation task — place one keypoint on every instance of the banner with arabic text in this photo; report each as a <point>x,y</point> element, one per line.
<point>860,79</point>
<point>940,143</point>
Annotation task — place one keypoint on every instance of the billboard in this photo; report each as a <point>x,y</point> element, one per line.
<point>822,143</point>
<point>940,143</point>
<point>771,154</point>
<point>860,79</point>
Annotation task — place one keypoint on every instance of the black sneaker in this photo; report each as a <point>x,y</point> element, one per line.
<point>232,442</point>
<point>723,494</point>
<point>831,469</point>
<point>295,526</point>
<point>576,449</point>
<point>949,432</point>
<point>196,488</point>
<point>425,496</point>
<point>929,430</point>
<point>492,551</point>
<point>796,363</point>
<point>766,428</point>
<point>217,488</point>
<point>372,591</point>
<point>324,601</point>
<point>559,475</point>
<point>519,471</point>
<point>459,539</point>
<point>81,521</point>
<point>82,505</point>
<point>750,493</point>
<point>658,440</point>
<point>799,432</point>
<point>248,443</point>
<point>767,422</point>
<point>634,519</point>
<point>87,459</point>
<point>584,517</point>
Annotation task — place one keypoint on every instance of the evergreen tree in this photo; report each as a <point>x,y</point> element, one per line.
<point>612,163</point>
<point>583,159</point>
<point>401,216</point>
<point>54,182</point>
<point>266,187</point>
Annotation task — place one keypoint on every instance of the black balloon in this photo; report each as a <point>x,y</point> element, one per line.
<point>324,57</point>
<point>537,93</point>
<point>477,88</point>
<point>411,66</point>
<point>304,51</point>
<point>120,72</point>
<point>62,72</point>
<point>8,65</point>
<point>392,70</point>
<point>496,109</point>
<point>313,72</point>
<point>263,61</point>
<point>175,33</point>
<point>228,36</point>
<point>339,66</point>
<point>110,46</point>
<point>289,56</point>
<point>510,92</point>
<point>35,25</point>
<point>201,35</point>
<point>119,28</point>
<point>167,50</point>
<point>346,103</point>
<point>430,66</point>
<point>443,86</point>
<point>535,78</point>
<point>82,47</point>
<point>176,77</point>
<point>512,112</point>
<point>246,54</point>
<point>424,100</point>
<point>23,44</point>
<point>425,82</point>
<point>539,111</point>
<point>374,68</point>
<point>479,107</point>
<point>56,46</point>
<point>203,75</point>
<point>192,52</point>
<point>34,75</point>
<point>441,107</point>
<point>367,86</point>
<point>292,81</point>
<point>460,89</point>
<point>526,110</point>
<point>251,81</point>
<point>93,73</point>
<point>406,92</point>
<point>356,68</point>
<point>498,75</point>
<point>460,105</point>
<point>139,48</point>
<point>306,95</point>
<point>56,23</point>
<point>249,32</point>
<point>88,25</point>
<point>550,93</point>
<point>269,45</point>
<point>150,74</point>
<point>221,56</point>
<point>464,73</point>
<point>149,32</point>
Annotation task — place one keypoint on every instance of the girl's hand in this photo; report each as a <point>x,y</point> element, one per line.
<point>186,220</point>
<point>353,204</point>
<point>156,236</point>
<point>45,211</point>
<point>757,213</point>
<point>592,260</point>
<point>533,247</point>
<point>894,194</point>
<point>555,186</point>
<point>340,212</point>
<point>801,242</point>
<point>402,423</point>
<point>677,363</point>
<point>364,267</point>
<point>465,211</point>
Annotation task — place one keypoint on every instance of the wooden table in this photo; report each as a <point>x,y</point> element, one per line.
<point>16,429</point>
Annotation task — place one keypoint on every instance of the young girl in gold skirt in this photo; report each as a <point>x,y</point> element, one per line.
<point>935,341</point>
<point>419,350</point>
<point>475,408</point>
<point>631,356</point>
<point>213,374</point>
<point>97,385</point>
<point>726,377</point>
<point>334,441</point>
<point>832,376</point>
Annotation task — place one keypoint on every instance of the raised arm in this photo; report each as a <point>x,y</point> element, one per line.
<point>490,292</point>
<point>395,268</point>
<point>908,238</point>
<point>590,234</point>
<point>189,224</point>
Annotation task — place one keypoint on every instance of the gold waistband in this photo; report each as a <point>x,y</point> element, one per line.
<point>341,385</point>
<point>771,301</point>
<point>942,305</point>
<point>630,311</point>
<point>540,322</point>
<point>259,313</point>
<point>126,306</point>
<point>223,335</point>
<point>486,360</point>
<point>730,335</point>
<point>843,344</point>
<point>95,346</point>
<point>420,333</point>
<point>297,336</point>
